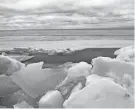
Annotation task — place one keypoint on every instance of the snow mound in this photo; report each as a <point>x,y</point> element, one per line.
<point>79,69</point>
<point>103,93</point>
<point>8,65</point>
<point>126,54</point>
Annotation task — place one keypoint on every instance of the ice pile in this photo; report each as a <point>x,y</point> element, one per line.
<point>120,71</point>
<point>110,85</point>
<point>105,83</point>
<point>126,54</point>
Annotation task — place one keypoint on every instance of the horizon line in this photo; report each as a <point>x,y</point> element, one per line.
<point>128,27</point>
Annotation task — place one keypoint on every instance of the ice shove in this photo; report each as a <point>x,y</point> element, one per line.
<point>103,93</point>
<point>126,53</point>
<point>104,66</point>
<point>36,81</point>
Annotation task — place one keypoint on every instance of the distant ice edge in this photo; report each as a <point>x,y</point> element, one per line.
<point>29,50</point>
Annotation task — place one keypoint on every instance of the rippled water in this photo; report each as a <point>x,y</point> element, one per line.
<point>50,39</point>
<point>72,34</point>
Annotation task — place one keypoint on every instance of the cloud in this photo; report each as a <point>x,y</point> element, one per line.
<point>65,4</point>
<point>65,13</point>
<point>25,4</point>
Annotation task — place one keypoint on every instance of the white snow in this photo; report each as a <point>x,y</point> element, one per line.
<point>79,69</point>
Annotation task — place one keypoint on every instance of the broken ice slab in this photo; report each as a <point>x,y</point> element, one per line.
<point>36,81</point>
<point>104,93</point>
<point>103,66</point>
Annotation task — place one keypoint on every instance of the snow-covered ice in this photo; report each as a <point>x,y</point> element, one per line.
<point>109,83</point>
<point>79,69</point>
<point>102,66</point>
<point>103,93</point>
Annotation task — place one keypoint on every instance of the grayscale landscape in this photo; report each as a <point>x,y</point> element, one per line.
<point>67,54</point>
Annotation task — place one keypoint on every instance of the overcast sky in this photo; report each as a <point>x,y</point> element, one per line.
<point>65,13</point>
